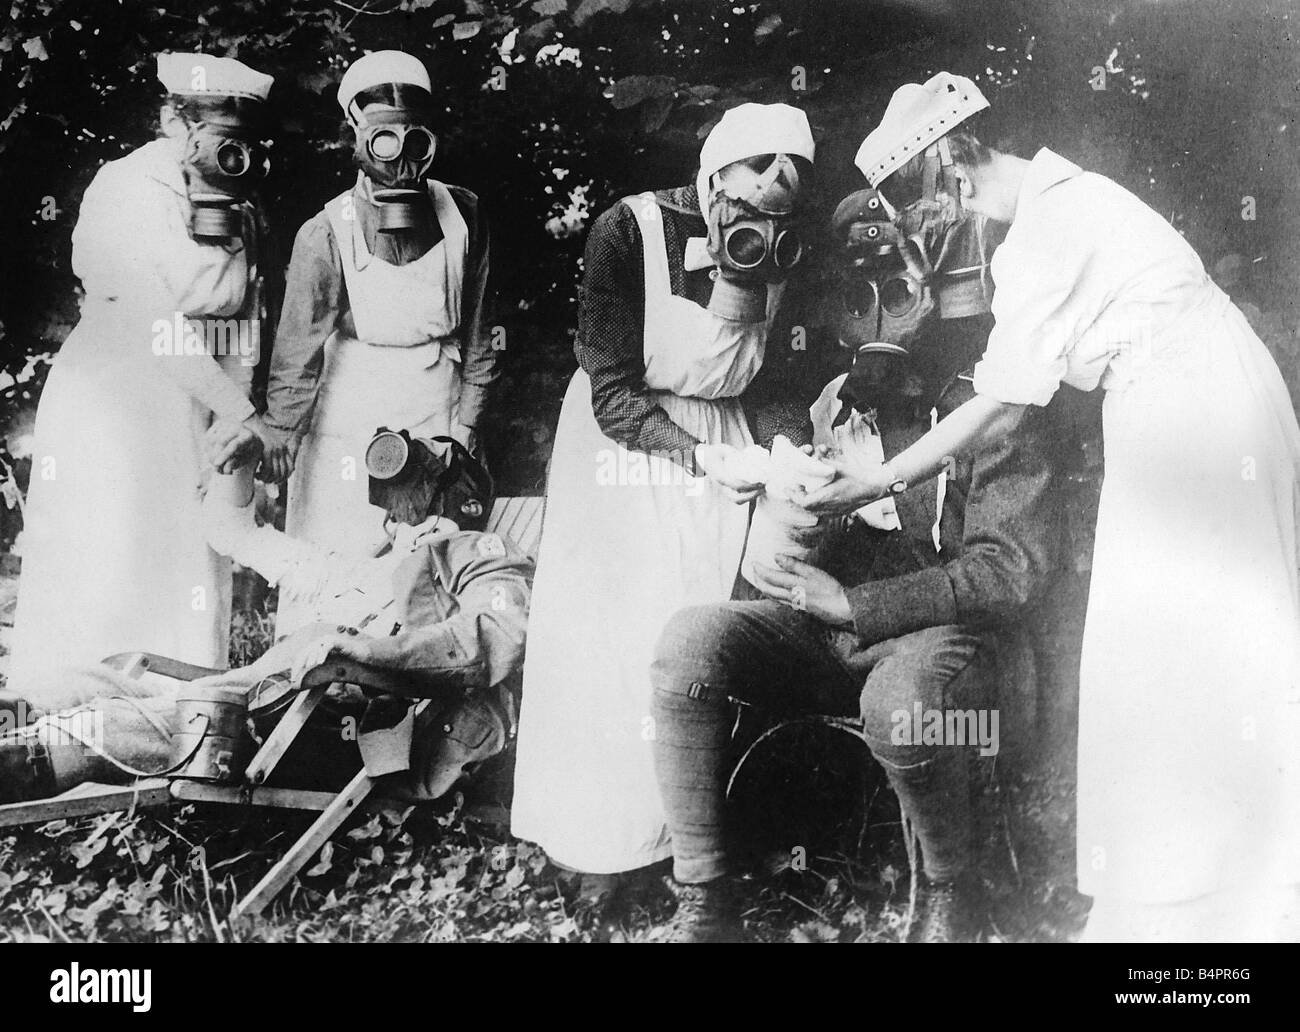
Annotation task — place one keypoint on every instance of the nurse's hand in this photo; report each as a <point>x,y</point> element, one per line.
<point>230,445</point>
<point>804,587</point>
<point>857,482</point>
<point>718,462</point>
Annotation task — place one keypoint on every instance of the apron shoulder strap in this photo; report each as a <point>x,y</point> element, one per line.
<point>455,232</point>
<point>654,249</point>
<point>342,215</point>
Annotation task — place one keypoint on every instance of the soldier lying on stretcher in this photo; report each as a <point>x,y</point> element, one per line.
<point>443,606</point>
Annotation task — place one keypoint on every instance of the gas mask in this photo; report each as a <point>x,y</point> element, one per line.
<point>754,235</point>
<point>894,283</point>
<point>395,151</point>
<point>413,478</point>
<point>225,159</point>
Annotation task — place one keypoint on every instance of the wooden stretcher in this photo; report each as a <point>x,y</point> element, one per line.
<point>518,518</point>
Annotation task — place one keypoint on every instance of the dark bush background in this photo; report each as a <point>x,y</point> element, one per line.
<point>1197,114</point>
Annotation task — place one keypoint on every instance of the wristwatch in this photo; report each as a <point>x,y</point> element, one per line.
<point>897,485</point>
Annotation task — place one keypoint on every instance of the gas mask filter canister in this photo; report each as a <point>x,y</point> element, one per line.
<point>412,478</point>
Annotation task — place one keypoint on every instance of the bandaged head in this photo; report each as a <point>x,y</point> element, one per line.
<point>413,478</point>
<point>387,99</point>
<point>226,150</point>
<point>753,174</point>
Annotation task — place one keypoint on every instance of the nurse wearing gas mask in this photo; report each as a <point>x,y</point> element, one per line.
<point>166,246</point>
<point>1189,708</point>
<point>680,292</point>
<point>381,318</point>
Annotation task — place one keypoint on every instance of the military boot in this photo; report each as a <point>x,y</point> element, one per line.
<point>25,770</point>
<point>952,911</point>
<point>706,912</point>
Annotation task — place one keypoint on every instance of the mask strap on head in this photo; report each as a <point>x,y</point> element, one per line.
<point>947,172</point>
<point>781,167</point>
<point>939,172</point>
<point>987,263</point>
<point>931,173</point>
<point>890,211</point>
<point>914,258</point>
<point>757,190</point>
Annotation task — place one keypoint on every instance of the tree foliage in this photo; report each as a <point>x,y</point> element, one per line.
<point>552,109</point>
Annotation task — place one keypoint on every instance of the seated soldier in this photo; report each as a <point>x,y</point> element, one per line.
<point>441,606</point>
<point>906,594</point>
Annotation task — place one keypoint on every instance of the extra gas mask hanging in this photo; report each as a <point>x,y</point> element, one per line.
<point>394,150</point>
<point>754,237</point>
<point>225,159</point>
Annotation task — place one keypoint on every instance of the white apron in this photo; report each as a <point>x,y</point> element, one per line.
<point>113,548</point>
<point>400,371</point>
<point>1189,711</point>
<point>628,540</point>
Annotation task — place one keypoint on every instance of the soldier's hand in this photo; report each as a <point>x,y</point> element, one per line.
<point>803,586</point>
<point>346,643</point>
<point>279,454</point>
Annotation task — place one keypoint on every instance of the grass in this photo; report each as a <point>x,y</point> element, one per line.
<point>819,832</point>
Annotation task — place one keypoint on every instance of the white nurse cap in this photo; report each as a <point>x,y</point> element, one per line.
<point>752,129</point>
<point>379,68</point>
<point>747,131</point>
<point>917,116</point>
<point>196,74</point>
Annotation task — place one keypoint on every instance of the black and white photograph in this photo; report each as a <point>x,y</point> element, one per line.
<point>670,471</point>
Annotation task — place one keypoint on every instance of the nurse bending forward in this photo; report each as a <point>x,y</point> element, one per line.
<point>1189,710</point>
<point>633,529</point>
<point>166,247</point>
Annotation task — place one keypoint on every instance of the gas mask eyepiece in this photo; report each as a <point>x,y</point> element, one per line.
<point>390,142</point>
<point>754,234</point>
<point>395,150</point>
<point>898,274</point>
<point>396,158</point>
<point>223,169</point>
<point>749,243</point>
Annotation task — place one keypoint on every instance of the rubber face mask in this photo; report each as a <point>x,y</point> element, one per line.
<point>413,478</point>
<point>395,151</point>
<point>884,294</point>
<point>893,287</point>
<point>754,234</point>
<point>884,307</point>
<point>223,166</point>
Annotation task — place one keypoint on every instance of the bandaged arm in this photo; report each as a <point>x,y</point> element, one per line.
<point>232,530</point>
